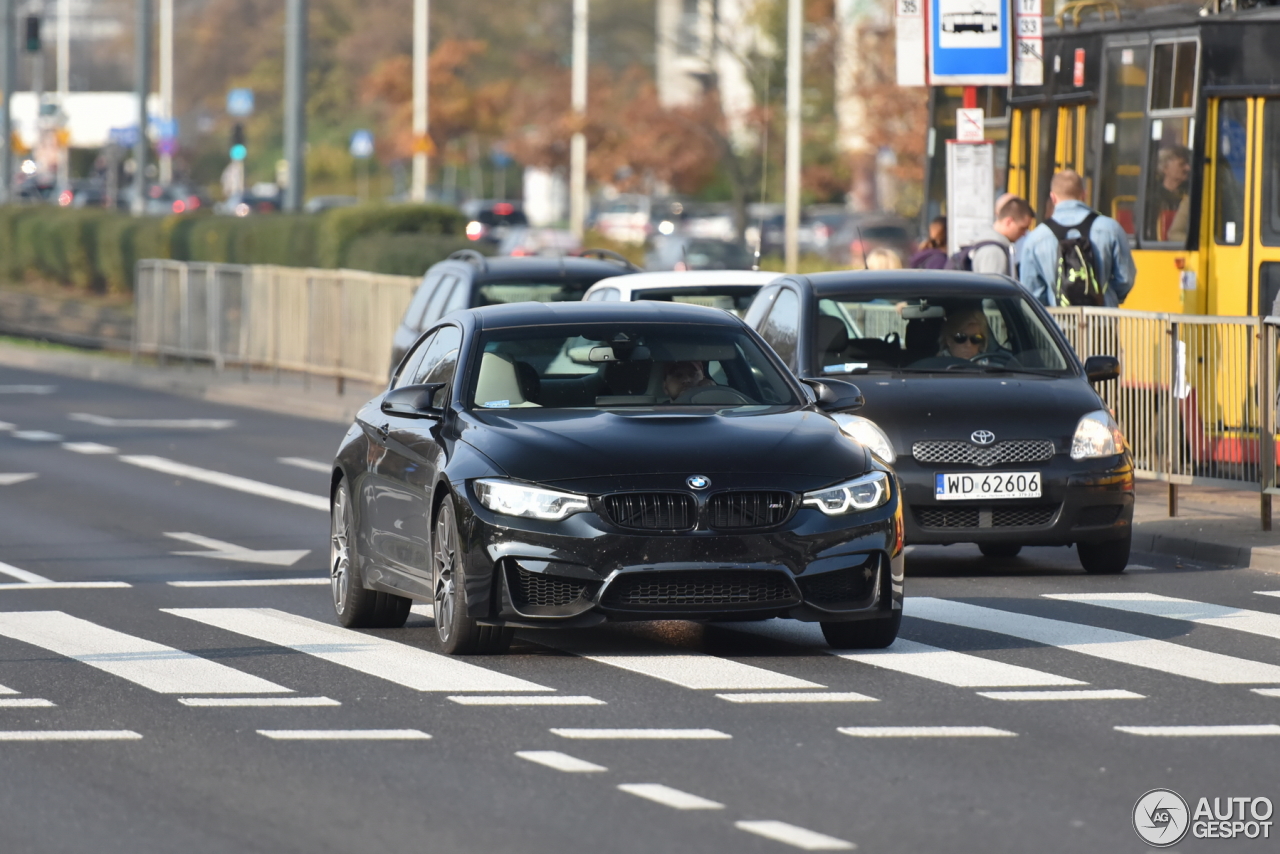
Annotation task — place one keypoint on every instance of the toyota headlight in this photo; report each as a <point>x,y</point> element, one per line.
<point>529,502</point>
<point>1097,435</point>
<point>865,493</point>
<point>867,433</point>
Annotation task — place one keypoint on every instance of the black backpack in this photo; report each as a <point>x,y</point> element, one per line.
<point>1076,278</point>
<point>963,260</point>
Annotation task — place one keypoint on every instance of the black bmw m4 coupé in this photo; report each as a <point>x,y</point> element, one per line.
<point>539,465</point>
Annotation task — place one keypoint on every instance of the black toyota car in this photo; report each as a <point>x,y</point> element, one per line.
<point>975,398</point>
<point>564,464</point>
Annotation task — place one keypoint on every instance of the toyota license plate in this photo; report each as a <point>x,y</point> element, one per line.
<point>1004,484</point>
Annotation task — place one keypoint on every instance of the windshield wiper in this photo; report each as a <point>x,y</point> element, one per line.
<point>1003,369</point>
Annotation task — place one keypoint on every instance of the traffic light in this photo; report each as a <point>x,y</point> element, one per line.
<point>238,149</point>
<point>33,34</point>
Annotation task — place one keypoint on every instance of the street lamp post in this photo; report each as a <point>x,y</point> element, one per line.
<point>166,87</point>
<point>142,82</point>
<point>9,69</point>
<point>64,86</point>
<point>578,144</point>
<point>795,24</point>
<point>421,54</point>
<point>295,102</point>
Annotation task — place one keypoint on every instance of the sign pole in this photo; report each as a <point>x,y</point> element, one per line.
<point>9,68</point>
<point>421,55</point>
<point>142,75</point>
<point>295,103</point>
<point>795,26</point>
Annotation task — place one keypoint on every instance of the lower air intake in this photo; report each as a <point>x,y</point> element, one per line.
<point>699,587</point>
<point>533,588</point>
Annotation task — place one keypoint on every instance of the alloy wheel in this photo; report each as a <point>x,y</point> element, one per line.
<point>340,550</point>
<point>444,558</point>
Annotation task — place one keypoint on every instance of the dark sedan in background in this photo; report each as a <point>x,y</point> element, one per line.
<point>976,399</point>
<point>563,464</point>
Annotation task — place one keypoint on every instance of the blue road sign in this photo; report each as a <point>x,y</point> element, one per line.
<point>240,102</point>
<point>362,144</point>
<point>970,43</point>
<point>125,137</point>
<point>164,128</point>
<point>500,156</point>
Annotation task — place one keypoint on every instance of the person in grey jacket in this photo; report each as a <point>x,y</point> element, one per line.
<point>994,252</point>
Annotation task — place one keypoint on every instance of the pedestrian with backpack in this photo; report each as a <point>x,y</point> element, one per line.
<point>1077,256</point>
<point>992,252</point>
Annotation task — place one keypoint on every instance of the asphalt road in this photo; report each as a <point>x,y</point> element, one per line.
<point>112,738</point>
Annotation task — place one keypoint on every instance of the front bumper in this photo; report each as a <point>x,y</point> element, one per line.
<point>1083,501</point>
<point>584,570</point>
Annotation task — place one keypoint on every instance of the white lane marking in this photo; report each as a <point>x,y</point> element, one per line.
<point>669,797</point>
<point>229,481</point>
<point>89,448</point>
<point>345,734</point>
<point>15,478</point>
<point>1069,694</point>
<point>949,667</point>
<point>560,761</point>
<point>6,427</point>
<point>800,697</point>
<point>527,700</point>
<point>240,554</point>
<point>26,703</point>
<point>395,662</point>
<point>642,734</point>
<point>1267,692</point>
<point>254,582</point>
<point>925,732</point>
<point>4,691</point>
<point>1106,644</point>
<point>67,585</point>
<point>1138,566</point>
<point>23,575</point>
<point>163,423</point>
<point>28,389</point>
<point>160,668</point>
<point>70,735</point>
<point>796,837</point>
<point>309,465</point>
<point>1201,731</point>
<point>1155,605</point>
<point>255,702</point>
<point>37,435</point>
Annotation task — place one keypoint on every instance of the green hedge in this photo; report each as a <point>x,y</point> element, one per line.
<point>97,250</point>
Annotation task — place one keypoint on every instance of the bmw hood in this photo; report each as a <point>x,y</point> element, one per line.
<point>1010,406</point>
<point>794,449</point>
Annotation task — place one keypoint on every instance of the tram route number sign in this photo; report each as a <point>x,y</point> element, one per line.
<point>1028,65</point>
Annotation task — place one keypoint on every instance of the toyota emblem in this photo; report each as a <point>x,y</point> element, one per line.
<point>982,437</point>
<point>697,481</point>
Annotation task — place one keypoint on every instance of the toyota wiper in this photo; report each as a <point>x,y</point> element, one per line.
<point>1004,369</point>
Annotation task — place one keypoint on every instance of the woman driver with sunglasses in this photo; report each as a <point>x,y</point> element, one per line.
<point>965,334</point>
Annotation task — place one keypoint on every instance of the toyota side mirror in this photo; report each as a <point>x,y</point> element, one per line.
<point>1099,369</point>
<point>413,401</point>
<point>836,395</point>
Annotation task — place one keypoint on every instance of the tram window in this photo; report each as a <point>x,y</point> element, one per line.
<point>1123,123</point>
<point>1173,76</point>
<point>1168,199</point>
<point>1228,215</point>
<point>1271,173</point>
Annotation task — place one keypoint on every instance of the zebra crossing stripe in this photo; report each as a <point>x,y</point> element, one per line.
<point>1107,644</point>
<point>154,666</point>
<point>1155,605</point>
<point>395,662</point>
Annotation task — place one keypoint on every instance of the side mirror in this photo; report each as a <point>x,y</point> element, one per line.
<point>836,395</point>
<point>1099,369</point>
<point>413,401</point>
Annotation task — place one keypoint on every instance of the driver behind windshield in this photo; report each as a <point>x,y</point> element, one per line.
<point>682,377</point>
<point>965,334</point>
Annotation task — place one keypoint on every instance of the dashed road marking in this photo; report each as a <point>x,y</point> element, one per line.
<point>1201,731</point>
<point>525,700</point>
<point>1267,692</point>
<point>796,837</point>
<point>222,550</point>
<point>309,465</point>
<point>925,732</point>
<point>229,481</point>
<point>89,448</point>
<point>67,585</point>
<point>1155,605</point>
<point>37,436</point>
<point>15,478</point>
<point>70,735</point>
<point>256,702</point>
<point>560,761</point>
<point>254,582</point>
<point>28,389</point>
<point>23,575</point>
<point>669,797</point>
<point>26,703</point>
<point>345,734</point>
<point>799,697</point>
<point>642,734</point>
<point>159,423</point>
<point>1086,694</point>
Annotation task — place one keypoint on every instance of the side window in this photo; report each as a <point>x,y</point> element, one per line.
<point>461,296</point>
<point>1167,201</point>
<point>410,369</point>
<point>438,299</point>
<point>782,328</point>
<point>1271,172</point>
<point>413,314</point>
<point>610,295</point>
<point>1228,208</point>
<point>1125,92</point>
<point>442,357</point>
<point>759,306</point>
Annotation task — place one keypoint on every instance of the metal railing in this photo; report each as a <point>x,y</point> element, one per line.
<point>1197,395</point>
<point>335,323</point>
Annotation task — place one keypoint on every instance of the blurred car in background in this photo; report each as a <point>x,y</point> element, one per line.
<point>687,252</point>
<point>859,235</point>
<point>320,204</point>
<point>713,221</point>
<point>165,199</point>
<point>625,218</point>
<point>489,220</point>
<point>729,290</point>
<point>261,198</point>
<point>83,193</point>
<point>467,279</point>
<point>522,241</point>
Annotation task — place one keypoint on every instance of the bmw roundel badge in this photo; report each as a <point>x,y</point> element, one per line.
<point>982,437</point>
<point>697,481</point>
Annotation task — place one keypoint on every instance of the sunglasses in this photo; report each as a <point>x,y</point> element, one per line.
<point>961,338</point>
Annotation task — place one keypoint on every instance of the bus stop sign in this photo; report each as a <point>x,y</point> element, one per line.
<point>970,43</point>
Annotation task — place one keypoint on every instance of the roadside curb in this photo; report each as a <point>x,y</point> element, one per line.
<point>1219,554</point>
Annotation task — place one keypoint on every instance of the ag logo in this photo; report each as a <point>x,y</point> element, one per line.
<point>982,437</point>
<point>697,481</point>
<point>1160,818</point>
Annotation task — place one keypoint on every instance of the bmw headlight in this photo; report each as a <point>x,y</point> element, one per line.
<point>867,433</point>
<point>529,502</point>
<point>1097,435</point>
<point>865,493</point>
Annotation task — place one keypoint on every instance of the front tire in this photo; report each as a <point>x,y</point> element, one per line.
<point>459,634</point>
<point>356,606</point>
<point>999,550</point>
<point>863,634</point>
<point>1109,557</point>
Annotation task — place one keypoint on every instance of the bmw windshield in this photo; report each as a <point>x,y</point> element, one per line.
<point>946,335</point>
